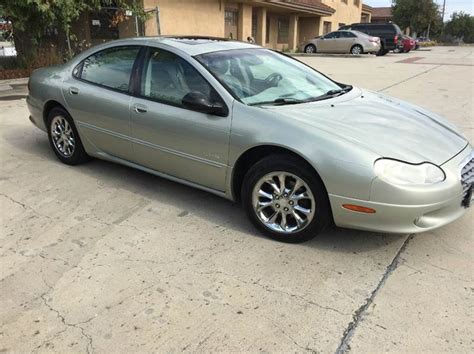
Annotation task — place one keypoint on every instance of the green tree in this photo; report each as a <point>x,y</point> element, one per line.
<point>32,18</point>
<point>461,25</point>
<point>416,14</point>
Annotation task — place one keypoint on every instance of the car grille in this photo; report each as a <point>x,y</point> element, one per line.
<point>467,180</point>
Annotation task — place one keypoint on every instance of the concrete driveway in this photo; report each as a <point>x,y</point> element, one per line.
<point>103,258</point>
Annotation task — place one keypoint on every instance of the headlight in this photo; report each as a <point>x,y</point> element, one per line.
<point>398,172</point>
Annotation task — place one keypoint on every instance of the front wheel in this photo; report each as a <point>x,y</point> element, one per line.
<point>285,199</point>
<point>310,48</point>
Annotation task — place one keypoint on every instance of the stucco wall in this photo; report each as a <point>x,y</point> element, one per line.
<point>206,17</point>
<point>345,13</point>
<point>192,17</point>
<point>309,27</point>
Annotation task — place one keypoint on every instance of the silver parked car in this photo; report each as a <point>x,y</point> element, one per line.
<point>250,124</point>
<point>352,42</point>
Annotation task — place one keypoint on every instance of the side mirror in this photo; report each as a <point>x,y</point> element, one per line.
<point>196,101</point>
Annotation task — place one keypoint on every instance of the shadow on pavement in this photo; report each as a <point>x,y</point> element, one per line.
<point>190,200</point>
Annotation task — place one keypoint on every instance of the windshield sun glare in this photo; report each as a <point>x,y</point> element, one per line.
<point>262,76</point>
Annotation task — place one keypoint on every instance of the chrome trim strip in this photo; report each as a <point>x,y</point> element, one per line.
<point>153,146</point>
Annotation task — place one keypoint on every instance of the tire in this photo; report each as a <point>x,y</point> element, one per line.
<point>382,51</point>
<point>61,128</point>
<point>310,49</point>
<point>311,198</point>
<point>357,50</point>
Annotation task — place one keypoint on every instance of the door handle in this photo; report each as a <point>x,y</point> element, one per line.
<point>73,90</point>
<point>139,108</point>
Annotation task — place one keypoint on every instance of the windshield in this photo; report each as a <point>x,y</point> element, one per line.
<point>261,76</point>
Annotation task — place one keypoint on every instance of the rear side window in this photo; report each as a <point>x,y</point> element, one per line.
<point>345,34</point>
<point>360,28</point>
<point>382,29</point>
<point>110,68</point>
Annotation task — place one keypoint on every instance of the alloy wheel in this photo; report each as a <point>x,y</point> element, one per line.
<point>283,202</point>
<point>62,136</point>
<point>356,50</point>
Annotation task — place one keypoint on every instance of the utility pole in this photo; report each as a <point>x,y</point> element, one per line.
<point>444,10</point>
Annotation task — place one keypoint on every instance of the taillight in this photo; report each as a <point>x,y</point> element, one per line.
<point>396,39</point>
<point>374,39</point>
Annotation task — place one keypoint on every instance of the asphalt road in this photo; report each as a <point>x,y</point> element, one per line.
<point>103,258</point>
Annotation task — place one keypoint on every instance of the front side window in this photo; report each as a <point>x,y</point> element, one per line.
<point>167,78</point>
<point>332,35</point>
<point>257,76</point>
<point>110,68</point>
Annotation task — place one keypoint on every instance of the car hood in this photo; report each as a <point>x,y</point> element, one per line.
<point>384,125</point>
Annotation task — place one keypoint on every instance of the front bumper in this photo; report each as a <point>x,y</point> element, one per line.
<point>404,209</point>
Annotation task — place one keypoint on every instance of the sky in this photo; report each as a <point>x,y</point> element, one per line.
<point>451,5</point>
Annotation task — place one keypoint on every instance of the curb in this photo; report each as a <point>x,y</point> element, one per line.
<point>20,81</point>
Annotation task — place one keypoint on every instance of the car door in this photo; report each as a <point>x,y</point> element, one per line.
<point>170,138</point>
<point>346,41</point>
<point>328,43</point>
<point>98,99</point>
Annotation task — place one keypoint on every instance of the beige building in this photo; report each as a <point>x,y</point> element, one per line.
<point>366,15</point>
<point>278,24</point>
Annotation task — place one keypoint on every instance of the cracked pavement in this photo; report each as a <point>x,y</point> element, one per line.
<point>103,258</point>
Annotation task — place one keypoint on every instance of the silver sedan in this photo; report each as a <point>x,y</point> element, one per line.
<point>299,150</point>
<point>352,42</point>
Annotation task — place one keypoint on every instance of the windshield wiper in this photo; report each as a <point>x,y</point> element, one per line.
<point>333,93</point>
<point>279,102</point>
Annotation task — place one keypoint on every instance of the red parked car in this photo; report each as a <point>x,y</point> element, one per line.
<point>405,44</point>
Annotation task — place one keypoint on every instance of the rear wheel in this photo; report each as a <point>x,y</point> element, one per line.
<point>357,49</point>
<point>310,48</point>
<point>64,138</point>
<point>382,51</point>
<point>285,199</point>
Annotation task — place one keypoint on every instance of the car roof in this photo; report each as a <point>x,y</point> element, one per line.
<point>192,45</point>
<point>373,24</point>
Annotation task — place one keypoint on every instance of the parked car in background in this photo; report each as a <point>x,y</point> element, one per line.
<point>352,42</point>
<point>421,40</point>
<point>298,149</point>
<point>388,33</point>
<point>405,45</point>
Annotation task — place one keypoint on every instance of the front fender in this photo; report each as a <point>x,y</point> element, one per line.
<point>345,168</point>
